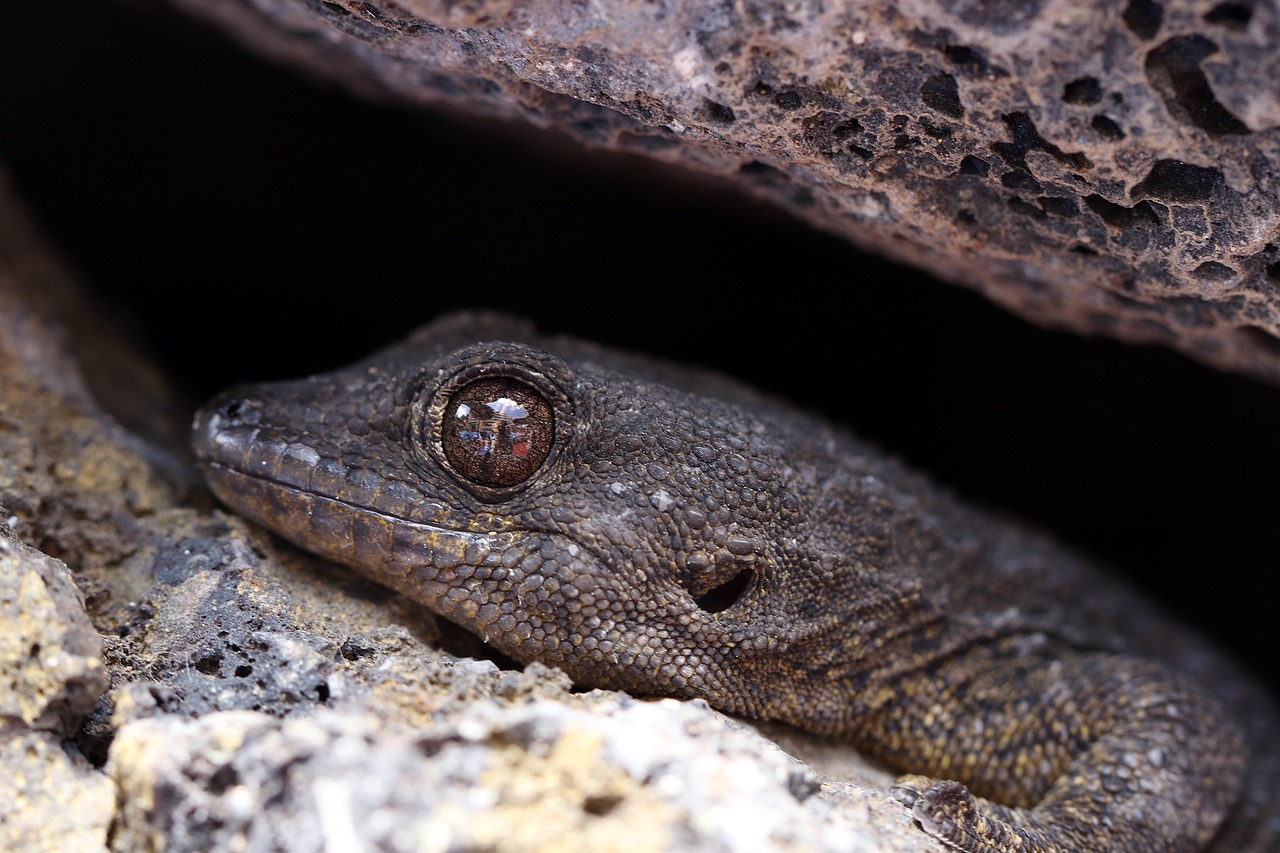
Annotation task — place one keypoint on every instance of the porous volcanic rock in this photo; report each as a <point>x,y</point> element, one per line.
<point>1106,167</point>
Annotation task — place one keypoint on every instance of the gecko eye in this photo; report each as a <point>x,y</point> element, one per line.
<point>496,432</point>
<point>496,424</point>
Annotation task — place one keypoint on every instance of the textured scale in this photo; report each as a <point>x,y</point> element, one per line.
<point>666,531</point>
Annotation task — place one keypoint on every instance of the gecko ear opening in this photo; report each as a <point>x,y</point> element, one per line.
<point>721,598</point>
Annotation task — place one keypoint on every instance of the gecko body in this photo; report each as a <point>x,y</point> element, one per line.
<point>669,532</point>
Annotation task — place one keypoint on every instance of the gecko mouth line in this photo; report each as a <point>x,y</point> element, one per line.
<point>426,528</point>
<point>421,529</point>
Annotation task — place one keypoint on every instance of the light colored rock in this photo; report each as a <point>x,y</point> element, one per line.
<point>50,798</point>
<point>606,773</point>
<point>50,655</point>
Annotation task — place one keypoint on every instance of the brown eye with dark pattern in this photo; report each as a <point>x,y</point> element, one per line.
<point>497,432</point>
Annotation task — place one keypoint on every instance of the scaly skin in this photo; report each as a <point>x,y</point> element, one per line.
<point>665,531</point>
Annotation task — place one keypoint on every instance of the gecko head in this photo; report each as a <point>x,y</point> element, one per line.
<point>641,526</point>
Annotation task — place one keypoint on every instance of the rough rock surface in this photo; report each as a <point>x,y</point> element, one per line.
<point>600,773</point>
<point>1110,168</point>
<point>51,674</point>
<point>50,656</point>
<point>259,699</point>
<point>50,797</point>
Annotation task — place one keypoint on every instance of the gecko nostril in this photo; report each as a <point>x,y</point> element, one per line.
<point>721,598</point>
<point>243,410</point>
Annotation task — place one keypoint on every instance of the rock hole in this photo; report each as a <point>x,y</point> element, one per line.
<point>971,61</point>
<point>1000,16</point>
<point>209,664</point>
<point>1173,69</point>
<point>789,100</point>
<point>755,167</point>
<point>1143,18</point>
<point>1233,16</point>
<point>244,671</point>
<point>1058,206</point>
<point>828,134</point>
<point>1174,180</point>
<point>1022,180</point>
<point>1214,272</point>
<point>846,128</point>
<point>1085,91</point>
<point>721,598</point>
<point>971,165</point>
<point>223,779</point>
<point>1106,128</point>
<point>718,113</point>
<point>335,8</point>
<point>941,93</point>
<point>938,132</point>
<point>1026,137</point>
<point>322,692</point>
<point>600,805</point>
<point>1273,272</point>
<point>1119,216</point>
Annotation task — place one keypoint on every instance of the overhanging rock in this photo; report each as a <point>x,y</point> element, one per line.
<point>1109,168</point>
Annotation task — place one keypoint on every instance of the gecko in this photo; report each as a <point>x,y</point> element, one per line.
<point>670,532</point>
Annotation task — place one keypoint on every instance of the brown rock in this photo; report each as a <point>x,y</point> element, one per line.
<point>1109,169</point>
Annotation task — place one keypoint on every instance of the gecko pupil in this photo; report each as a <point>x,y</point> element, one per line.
<point>497,431</point>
